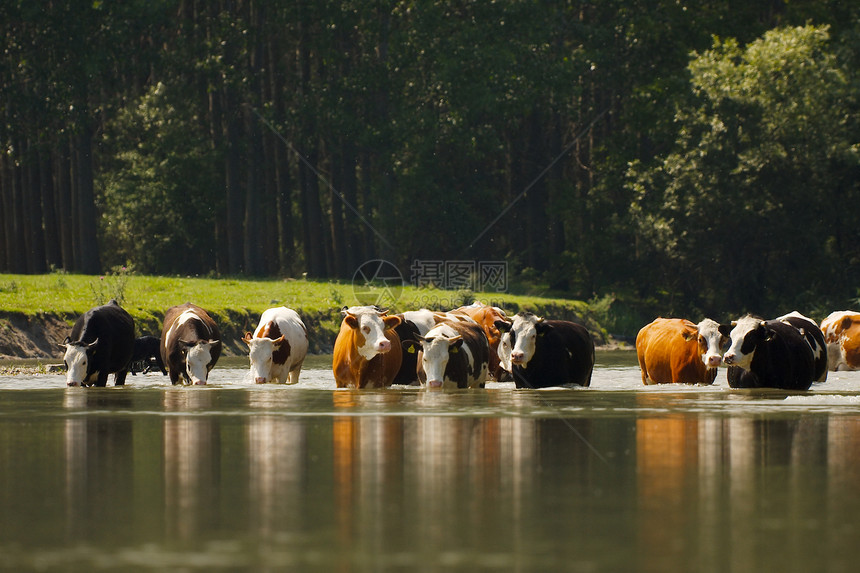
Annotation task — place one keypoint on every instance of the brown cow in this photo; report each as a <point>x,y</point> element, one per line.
<point>842,334</point>
<point>674,350</point>
<point>190,343</point>
<point>367,351</point>
<point>486,316</point>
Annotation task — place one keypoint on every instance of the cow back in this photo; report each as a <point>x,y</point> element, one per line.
<point>668,352</point>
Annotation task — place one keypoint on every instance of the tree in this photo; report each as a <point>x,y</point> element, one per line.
<point>748,210</point>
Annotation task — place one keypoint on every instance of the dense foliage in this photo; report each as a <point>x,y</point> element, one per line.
<point>698,156</point>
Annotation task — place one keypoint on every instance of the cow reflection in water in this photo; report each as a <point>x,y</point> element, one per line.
<point>277,451</point>
<point>720,467</point>
<point>192,463</point>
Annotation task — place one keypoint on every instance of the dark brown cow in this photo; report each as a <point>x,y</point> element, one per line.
<point>486,316</point>
<point>190,343</point>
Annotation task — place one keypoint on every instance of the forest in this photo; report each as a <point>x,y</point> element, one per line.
<point>689,156</point>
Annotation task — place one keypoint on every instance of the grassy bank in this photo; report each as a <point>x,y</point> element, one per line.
<point>236,304</point>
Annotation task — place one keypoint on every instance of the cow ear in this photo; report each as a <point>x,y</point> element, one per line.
<point>846,323</point>
<point>247,338</point>
<point>542,328</point>
<point>279,341</point>
<point>688,336</point>
<point>503,325</point>
<point>725,329</point>
<point>351,321</point>
<point>391,321</point>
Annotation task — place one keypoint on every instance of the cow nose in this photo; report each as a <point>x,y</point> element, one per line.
<point>71,384</point>
<point>384,346</point>
<point>434,383</point>
<point>200,382</point>
<point>729,359</point>
<point>260,380</point>
<point>516,357</point>
<point>714,361</point>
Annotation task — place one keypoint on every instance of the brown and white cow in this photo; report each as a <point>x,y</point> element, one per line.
<point>453,354</point>
<point>486,316</point>
<point>278,347</point>
<point>674,350</point>
<point>367,352</point>
<point>842,335</point>
<point>190,343</point>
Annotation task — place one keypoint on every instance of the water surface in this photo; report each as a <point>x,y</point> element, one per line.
<point>617,477</point>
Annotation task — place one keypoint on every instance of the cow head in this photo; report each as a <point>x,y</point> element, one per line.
<point>744,335</point>
<point>261,354</point>
<point>369,324</point>
<point>710,340</point>
<point>504,350</point>
<point>436,350</point>
<point>77,359</point>
<point>524,333</point>
<point>198,357</point>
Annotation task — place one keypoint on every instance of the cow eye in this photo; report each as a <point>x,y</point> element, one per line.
<point>365,329</point>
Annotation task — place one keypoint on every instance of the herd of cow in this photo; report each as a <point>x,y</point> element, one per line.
<point>465,347</point>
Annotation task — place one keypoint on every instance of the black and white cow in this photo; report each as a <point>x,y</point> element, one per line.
<point>547,353</point>
<point>814,337</point>
<point>101,342</point>
<point>767,354</point>
<point>190,343</point>
<point>147,355</point>
<point>453,354</point>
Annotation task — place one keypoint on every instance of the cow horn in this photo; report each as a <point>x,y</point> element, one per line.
<point>93,344</point>
<point>381,311</point>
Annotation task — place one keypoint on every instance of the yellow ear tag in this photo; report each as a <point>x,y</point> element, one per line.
<point>411,349</point>
<point>455,350</point>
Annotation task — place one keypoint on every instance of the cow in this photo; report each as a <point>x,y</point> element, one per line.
<point>547,353</point>
<point>454,354</point>
<point>486,316</point>
<point>767,354</point>
<point>504,354</point>
<point>367,351</point>
<point>278,346</point>
<point>413,325</point>
<point>147,355</point>
<point>814,338</point>
<point>842,335</point>
<point>101,343</point>
<point>674,350</point>
<point>190,343</point>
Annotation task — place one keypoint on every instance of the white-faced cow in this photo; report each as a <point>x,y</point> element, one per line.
<point>278,346</point>
<point>367,352</point>
<point>767,354</point>
<point>674,350</point>
<point>452,355</point>
<point>413,325</point>
<point>190,343</point>
<point>147,355</point>
<point>549,353</point>
<point>842,335</point>
<point>814,338</point>
<point>101,343</point>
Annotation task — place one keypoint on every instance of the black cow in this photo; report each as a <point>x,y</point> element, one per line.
<point>101,342</point>
<point>190,343</point>
<point>408,331</point>
<point>147,355</point>
<point>767,354</point>
<point>815,338</point>
<point>547,353</point>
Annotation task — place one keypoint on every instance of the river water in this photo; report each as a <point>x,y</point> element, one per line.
<point>617,477</point>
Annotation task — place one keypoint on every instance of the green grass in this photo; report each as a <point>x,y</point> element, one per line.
<point>237,303</point>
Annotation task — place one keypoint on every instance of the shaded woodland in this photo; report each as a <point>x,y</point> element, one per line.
<point>691,156</point>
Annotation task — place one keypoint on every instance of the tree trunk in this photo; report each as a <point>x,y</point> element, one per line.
<point>53,255</point>
<point>87,217</point>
